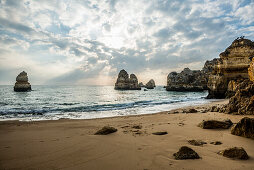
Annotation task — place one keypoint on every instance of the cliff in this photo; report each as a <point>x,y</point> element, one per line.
<point>232,66</point>
<point>124,82</point>
<point>190,80</point>
<point>22,84</point>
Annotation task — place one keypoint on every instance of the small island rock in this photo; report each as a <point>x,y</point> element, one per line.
<point>22,84</point>
<point>150,84</point>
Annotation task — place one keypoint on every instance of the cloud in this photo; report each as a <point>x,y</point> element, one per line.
<point>88,42</point>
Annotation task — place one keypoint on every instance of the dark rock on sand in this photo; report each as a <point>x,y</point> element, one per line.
<point>216,143</point>
<point>235,153</point>
<point>197,142</point>
<point>22,84</point>
<point>244,128</point>
<point>160,133</point>
<point>186,153</point>
<point>191,111</point>
<point>215,124</point>
<point>137,127</point>
<point>106,130</point>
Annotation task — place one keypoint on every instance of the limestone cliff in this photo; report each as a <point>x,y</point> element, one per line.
<point>232,65</point>
<point>124,82</point>
<point>22,84</point>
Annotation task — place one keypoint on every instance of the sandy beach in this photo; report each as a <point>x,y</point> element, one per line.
<point>71,144</point>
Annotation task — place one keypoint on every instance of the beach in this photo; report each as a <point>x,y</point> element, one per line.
<point>71,144</point>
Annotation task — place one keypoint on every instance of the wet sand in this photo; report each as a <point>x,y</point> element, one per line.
<point>71,144</point>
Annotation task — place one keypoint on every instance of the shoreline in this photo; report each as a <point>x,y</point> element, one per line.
<point>71,143</point>
<point>187,105</point>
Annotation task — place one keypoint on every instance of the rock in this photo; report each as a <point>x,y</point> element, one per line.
<point>106,130</point>
<point>124,82</point>
<point>150,84</point>
<point>192,110</point>
<point>215,124</point>
<point>186,153</point>
<point>145,90</point>
<point>232,65</point>
<point>22,84</point>
<point>243,100</point>
<point>216,143</point>
<point>137,127</point>
<point>244,128</point>
<point>187,80</point>
<point>160,133</point>
<point>197,142</point>
<point>235,153</point>
<point>214,109</point>
<point>141,84</point>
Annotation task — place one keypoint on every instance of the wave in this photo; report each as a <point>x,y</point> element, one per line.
<point>101,107</point>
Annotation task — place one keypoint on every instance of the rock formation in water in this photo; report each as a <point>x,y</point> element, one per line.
<point>150,84</point>
<point>190,80</point>
<point>22,84</point>
<point>187,80</point>
<point>141,84</point>
<point>232,66</point>
<point>124,82</point>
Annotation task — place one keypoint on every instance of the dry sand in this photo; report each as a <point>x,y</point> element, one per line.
<point>70,144</point>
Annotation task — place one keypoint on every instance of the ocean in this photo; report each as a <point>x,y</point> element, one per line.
<point>88,102</point>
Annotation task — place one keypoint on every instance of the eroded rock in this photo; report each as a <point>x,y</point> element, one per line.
<point>197,142</point>
<point>232,65</point>
<point>244,128</point>
<point>150,84</point>
<point>106,130</point>
<point>215,124</point>
<point>186,153</point>
<point>22,84</point>
<point>235,153</point>
<point>124,82</point>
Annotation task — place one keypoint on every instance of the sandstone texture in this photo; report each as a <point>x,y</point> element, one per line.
<point>243,100</point>
<point>186,153</point>
<point>233,64</point>
<point>22,84</point>
<point>150,84</point>
<point>124,82</point>
<point>235,153</point>
<point>244,128</point>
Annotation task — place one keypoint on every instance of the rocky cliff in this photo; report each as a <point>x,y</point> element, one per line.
<point>190,80</point>
<point>232,65</point>
<point>124,82</point>
<point>150,84</point>
<point>22,83</point>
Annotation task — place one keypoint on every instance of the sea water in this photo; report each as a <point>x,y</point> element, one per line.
<point>87,102</point>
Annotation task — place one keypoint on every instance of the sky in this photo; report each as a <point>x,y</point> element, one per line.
<point>87,42</point>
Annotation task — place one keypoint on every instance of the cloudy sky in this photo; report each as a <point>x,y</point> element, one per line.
<point>89,42</point>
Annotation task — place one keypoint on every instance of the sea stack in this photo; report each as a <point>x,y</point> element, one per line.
<point>150,84</point>
<point>22,84</point>
<point>232,66</point>
<point>124,82</point>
